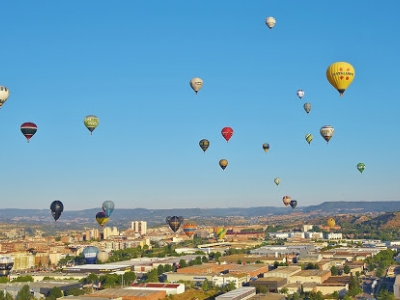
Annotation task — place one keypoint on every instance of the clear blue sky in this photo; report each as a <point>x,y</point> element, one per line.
<point>130,62</point>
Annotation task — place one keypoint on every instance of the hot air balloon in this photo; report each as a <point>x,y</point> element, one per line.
<point>293,203</point>
<point>327,132</point>
<point>307,107</point>
<point>308,138</point>
<point>102,256</point>
<point>4,94</point>
<point>91,122</point>
<point>28,129</point>
<point>300,94</point>
<point>174,222</point>
<point>101,218</point>
<point>90,254</point>
<point>223,163</point>
<point>340,75</point>
<point>331,222</point>
<point>189,229</point>
<point>6,264</point>
<point>220,233</point>
<point>277,180</point>
<point>286,200</point>
<point>227,133</point>
<point>56,208</point>
<point>204,144</point>
<point>108,207</point>
<point>196,84</point>
<point>265,147</point>
<point>361,167</point>
<point>270,22</point>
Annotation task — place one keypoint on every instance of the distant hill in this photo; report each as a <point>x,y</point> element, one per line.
<point>154,216</point>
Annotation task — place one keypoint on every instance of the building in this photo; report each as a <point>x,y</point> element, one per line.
<point>139,227</point>
<point>128,294</point>
<point>273,284</point>
<point>242,293</point>
<point>307,228</point>
<point>169,288</point>
<point>396,287</point>
<point>108,232</point>
<point>333,236</point>
<point>92,234</point>
<point>283,272</point>
<point>269,296</point>
<point>317,276</point>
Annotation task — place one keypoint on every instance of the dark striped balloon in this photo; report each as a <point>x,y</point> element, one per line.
<point>28,129</point>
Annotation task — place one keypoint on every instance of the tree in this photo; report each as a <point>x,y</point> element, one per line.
<point>296,296</point>
<point>335,295</point>
<point>239,262</point>
<point>385,295</point>
<point>160,270</point>
<point>346,269</point>
<point>92,278</point>
<point>354,287</point>
<point>261,289</point>
<point>334,271</point>
<point>204,259</point>
<point>152,276</point>
<point>284,290</point>
<point>130,277</point>
<point>182,263</point>
<point>55,293</point>
<point>24,293</point>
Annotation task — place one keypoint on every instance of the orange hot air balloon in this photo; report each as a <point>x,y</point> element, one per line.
<point>227,133</point>
<point>189,229</point>
<point>286,200</point>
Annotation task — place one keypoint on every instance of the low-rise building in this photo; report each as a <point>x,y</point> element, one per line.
<point>273,284</point>
<point>169,288</point>
<point>238,294</point>
<point>317,276</point>
<point>283,272</point>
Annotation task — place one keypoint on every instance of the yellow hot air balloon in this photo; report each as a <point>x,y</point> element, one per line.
<point>220,233</point>
<point>331,222</point>
<point>223,163</point>
<point>340,75</point>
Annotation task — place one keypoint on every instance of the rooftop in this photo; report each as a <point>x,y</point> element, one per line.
<point>287,270</point>
<point>308,273</point>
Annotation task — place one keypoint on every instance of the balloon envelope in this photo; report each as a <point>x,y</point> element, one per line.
<point>300,94</point>
<point>307,107</point>
<point>227,133</point>
<point>331,222</point>
<point>108,207</point>
<point>309,138</point>
<point>6,264</point>
<point>286,200</point>
<point>189,229</point>
<point>4,94</point>
<point>91,122</point>
<point>277,180</point>
<point>28,129</point>
<point>270,22</point>
<point>90,254</point>
<point>101,218</point>
<point>196,84</point>
<point>340,75</point>
<point>56,208</point>
<point>266,147</point>
<point>223,163</point>
<point>327,132</point>
<point>220,233</point>
<point>361,167</point>
<point>174,222</point>
<point>293,203</point>
<point>204,144</point>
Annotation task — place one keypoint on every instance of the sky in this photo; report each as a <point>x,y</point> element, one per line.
<point>130,63</point>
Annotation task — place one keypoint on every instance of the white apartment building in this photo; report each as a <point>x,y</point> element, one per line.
<point>139,227</point>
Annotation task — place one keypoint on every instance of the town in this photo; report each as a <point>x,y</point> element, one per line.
<point>246,261</point>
